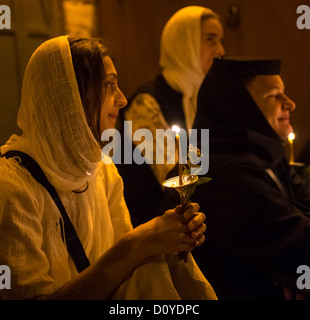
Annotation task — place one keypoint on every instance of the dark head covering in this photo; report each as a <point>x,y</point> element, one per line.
<point>246,66</point>
<point>226,108</point>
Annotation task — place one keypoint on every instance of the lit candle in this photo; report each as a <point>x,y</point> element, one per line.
<point>291,138</point>
<point>176,129</point>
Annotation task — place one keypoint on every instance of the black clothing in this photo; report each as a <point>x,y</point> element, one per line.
<point>169,100</point>
<point>258,230</point>
<point>142,192</point>
<point>304,155</point>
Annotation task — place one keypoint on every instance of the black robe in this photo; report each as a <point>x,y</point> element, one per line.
<point>257,232</point>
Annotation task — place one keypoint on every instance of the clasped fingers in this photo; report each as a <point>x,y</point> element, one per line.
<point>196,221</point>
<point>191,211</point>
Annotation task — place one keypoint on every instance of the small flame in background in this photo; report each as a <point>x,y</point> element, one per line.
<point>291,137</point>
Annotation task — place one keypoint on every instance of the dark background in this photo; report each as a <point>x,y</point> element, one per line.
<point>266,28</point>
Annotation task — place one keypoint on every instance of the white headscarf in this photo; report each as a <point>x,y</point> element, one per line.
<point>180,56</point>
<point>56,134</point>
<point>54,128</point>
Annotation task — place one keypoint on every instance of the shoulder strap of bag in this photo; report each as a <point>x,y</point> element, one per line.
<point>74,245</point>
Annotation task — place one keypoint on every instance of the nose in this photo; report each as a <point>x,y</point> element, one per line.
<point>289,104</point>
<point>121,101</point>
<point>220,50</point>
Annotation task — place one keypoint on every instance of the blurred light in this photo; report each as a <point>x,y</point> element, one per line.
<point>291,137</point>
<point>176,129</point>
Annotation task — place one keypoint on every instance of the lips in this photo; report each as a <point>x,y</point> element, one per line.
<point>284,119</point>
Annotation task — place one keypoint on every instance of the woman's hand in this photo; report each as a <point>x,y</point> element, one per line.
<point>195,222</point>
<point>174,231</point>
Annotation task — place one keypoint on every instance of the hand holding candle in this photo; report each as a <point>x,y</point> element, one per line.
<point>184,185</point>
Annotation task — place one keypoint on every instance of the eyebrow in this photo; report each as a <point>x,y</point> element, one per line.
<point>112,74</point>
<point>210,34</point>
<point>278,88</point>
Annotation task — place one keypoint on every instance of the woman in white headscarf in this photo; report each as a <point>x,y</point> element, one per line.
<point>190,40</point>
<point>69,96</point>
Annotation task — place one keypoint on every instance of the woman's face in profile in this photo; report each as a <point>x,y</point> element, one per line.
<point>268,93</point>
<point>113,97</point>
<point>212,36</point>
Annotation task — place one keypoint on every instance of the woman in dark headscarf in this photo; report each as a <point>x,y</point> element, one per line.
<point>258,211</point>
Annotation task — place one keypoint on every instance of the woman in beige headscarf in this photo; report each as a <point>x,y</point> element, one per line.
<point>70,94</point>
<point>190,40</point>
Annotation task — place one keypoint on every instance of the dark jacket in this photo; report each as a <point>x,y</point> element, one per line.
<point>257,232</point>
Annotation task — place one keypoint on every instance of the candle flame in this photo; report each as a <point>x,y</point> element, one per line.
<point>176,129</point>
<point>291,137</point>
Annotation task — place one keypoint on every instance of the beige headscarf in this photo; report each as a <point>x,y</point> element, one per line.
<point>56,134</point>
<point>180,56</point>
<point>54,128</point>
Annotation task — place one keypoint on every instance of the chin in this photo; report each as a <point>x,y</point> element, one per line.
<point>283,134</point>
<point>283,131</point>
<point>109,125</point>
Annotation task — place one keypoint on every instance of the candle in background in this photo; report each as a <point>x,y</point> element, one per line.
<point>176,129</point>
<point>291,138</point>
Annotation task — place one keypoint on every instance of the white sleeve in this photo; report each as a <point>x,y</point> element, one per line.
<point>119,213</point>
<point>145,113</point>
<point>21,238</point>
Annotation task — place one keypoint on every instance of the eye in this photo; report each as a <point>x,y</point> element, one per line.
<point>275,96</point>
<point>110,85</point>
<point>211,39</point>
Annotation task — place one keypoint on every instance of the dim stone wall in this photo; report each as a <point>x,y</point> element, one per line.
<point>80,17</point>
